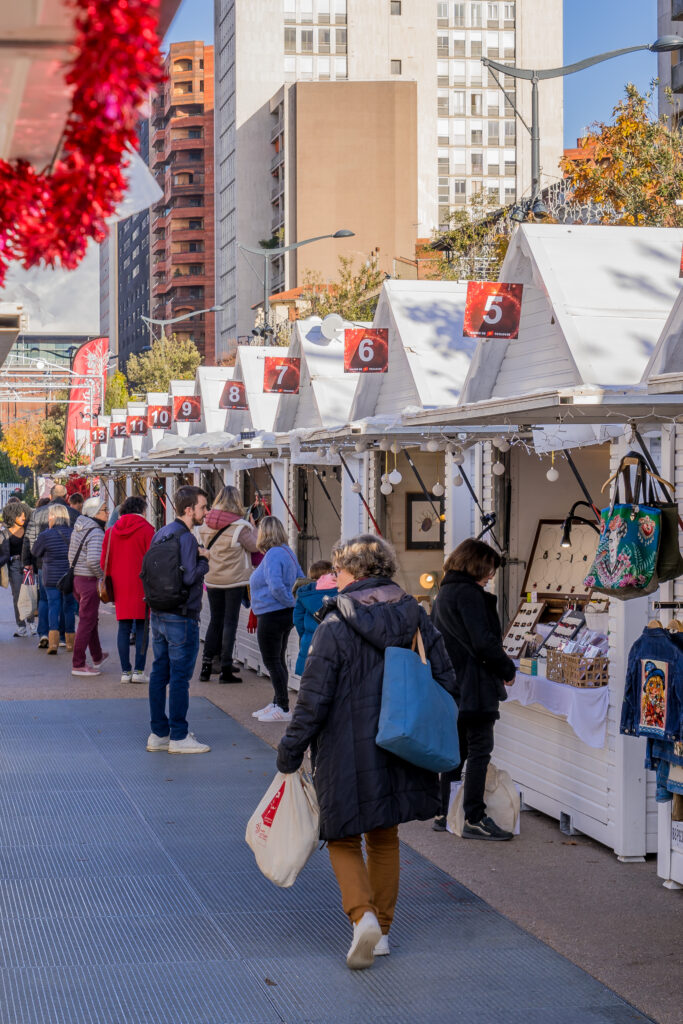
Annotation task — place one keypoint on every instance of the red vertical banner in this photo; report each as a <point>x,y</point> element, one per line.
<point>187,408</point>
<point>493,309</point>
<point>87,389</point>
<point>281,376</point>
<point>366,350</point>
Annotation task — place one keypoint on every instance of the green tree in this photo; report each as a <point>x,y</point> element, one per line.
<point>116,396</point>
<point>167,360</point>
<point>54,433</point>
<point>632,167</point>
<point>354,295</point>
<point>474,246</point>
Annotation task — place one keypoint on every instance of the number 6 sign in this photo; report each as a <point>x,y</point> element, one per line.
<point>281,376</point>
<point>492,310</point>
<point>187,408</point>
<point>366,351</point>
<point>234,396</point>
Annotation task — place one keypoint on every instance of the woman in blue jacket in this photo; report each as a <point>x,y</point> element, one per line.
<point>52,545</point>
<point>272,602</point>
<point>309,600</point>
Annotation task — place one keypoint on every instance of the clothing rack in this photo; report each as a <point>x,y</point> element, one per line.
<point>674,605</point>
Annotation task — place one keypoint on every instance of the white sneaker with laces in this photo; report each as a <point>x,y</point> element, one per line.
<point>126,677</point>
<point>262,711</point>
<point>155,743</point>
<point>20,631</point>
<point>190,745</point>
<point>382,947</point>
<point>86,670</point>
<point>139,677</point>
<point>275,714</point>
<point>366,934</point>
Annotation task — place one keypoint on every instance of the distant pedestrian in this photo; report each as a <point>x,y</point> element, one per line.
<point>309,599</point>
<point>76,501</point>
<point>272,603</point>
<point>51,547</point>
<point>362,789</point>
<point>125,545</point>
<point>177,567</point>
<point>85,553</point>
<point>467,617</point>
<point>36,524</point>
<point>230,540</point>
<point>15,517</point>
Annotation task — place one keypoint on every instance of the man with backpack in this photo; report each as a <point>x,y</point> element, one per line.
<point>172,575</point>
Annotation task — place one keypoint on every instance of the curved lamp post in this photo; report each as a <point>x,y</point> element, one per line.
<point>176,319</point>
<point>272,254</point>
<point>661,45</point>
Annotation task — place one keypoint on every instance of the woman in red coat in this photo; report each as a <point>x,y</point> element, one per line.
<point>124,547</point>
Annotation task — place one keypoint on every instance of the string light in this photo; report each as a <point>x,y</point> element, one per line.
<point>552,475</point>
<point>438,489</point>
<point>458,480</point>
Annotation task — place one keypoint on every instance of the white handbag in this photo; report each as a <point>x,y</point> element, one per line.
<point>500,796</point>
<point>284,829</point>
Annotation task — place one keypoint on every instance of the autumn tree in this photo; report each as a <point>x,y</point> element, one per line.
<point>473,246</point>
<point>168,359</point>
<point>24,444</point>
<point>633,166</point>
<point>354,295</point>
<point>116,395</point>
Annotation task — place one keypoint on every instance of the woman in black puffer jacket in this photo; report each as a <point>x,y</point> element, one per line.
<point>467,616</point>
<point>362,789</point>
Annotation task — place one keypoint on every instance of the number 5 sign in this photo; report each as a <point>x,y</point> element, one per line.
<point>492,310</point>
<point>187,408</point>
<point>234,396</point>
<point>281,376</point>
<point>366,351</point>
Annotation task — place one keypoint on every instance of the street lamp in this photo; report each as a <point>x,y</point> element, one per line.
<point>272,254</point>
<point>661,45</point>
<point>176,319</point>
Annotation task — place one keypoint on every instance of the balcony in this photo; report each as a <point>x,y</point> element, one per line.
<point>277,160</point>
<point>277,188</point>
<point>677,77</point>
<point>276,130</point>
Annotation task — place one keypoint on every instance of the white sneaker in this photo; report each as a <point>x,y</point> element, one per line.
<point>275,714</point>
<point>262,711</point>
<point>382,947</point>
<point>20,631</point>
<point>31,628</point>
<point>155,742</point>
<point>139,677</point>
<point>366,934</point>
<point>86,670</point>
<point>190,745</point>
<point>126,676</point>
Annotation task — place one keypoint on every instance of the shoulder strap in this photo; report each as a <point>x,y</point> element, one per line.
<point>80,547</point>
<point>217,535</point>
<point>106,559</point>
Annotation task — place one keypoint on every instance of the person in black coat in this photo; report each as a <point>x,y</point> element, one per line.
<point>362,789</point>
<point>466,614</point>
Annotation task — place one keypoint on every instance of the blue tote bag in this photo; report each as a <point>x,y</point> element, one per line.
<point>418,720</point>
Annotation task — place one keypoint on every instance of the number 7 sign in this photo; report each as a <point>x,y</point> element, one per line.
<point>281,376</point>
<point>492,310</point>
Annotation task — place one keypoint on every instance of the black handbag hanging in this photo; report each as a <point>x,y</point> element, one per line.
<point>656,495</point>
<point>65,583</point>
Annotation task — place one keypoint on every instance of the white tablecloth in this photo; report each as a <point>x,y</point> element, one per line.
<point>584,708</point>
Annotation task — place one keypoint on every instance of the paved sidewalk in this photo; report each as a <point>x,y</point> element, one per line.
<point>128,895</point>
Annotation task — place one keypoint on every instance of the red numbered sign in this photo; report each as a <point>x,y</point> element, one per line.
<point>366,351</point>
<point>98,435</point>
<point>281,376</point>
<point>119,429</point>
<point>493,310</point>
<point>187,408</point>
<point>136,425</point>
<point>159,416</point>
<point>234,396</point>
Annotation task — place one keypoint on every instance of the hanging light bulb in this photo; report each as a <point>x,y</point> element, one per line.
<point>458,457</point>
<point>386,488</point>
<point>384,444</point>
<point>384,478</point>
<point>438,489</point>
<point>333,450</point>
<point>432,445</point>
<point>503,444</point>
<point>321,453</point>
<point>498,468</point>
<point>395,477</point>
<point>458,480</point>
<point>356,488</point>
<point>395,448</point>
<point>361,446</point>
<point>495,441</point>
<point>552,475</point>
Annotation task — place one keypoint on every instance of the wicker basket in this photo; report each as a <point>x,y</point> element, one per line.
<point>576,670</point>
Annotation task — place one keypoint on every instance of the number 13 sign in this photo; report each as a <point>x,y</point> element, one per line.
<point>492,310</point>
<point>281,376</point>
<point>366,351</point>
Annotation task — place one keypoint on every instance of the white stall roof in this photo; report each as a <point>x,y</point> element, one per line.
<point>210,383</point>
<point>667,358</point>
<point>326,393</point>
<point>595,302</point>
<point>262,408</point>
<point>428,356</point>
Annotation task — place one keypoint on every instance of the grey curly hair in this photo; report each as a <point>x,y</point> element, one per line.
<point>365,555</point>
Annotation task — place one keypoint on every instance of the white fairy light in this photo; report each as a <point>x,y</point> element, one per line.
<point>438,489</point>
<point>395,477</point>
<point>458,480</point>
<point>498,468</point>
<point>386,488</point>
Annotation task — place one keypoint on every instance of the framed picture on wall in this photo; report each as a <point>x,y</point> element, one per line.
<point>424,527</point>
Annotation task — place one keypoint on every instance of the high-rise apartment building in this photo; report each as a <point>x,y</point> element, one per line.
<point>467,137</point>
<point>182,222</point>
<point>670,65</point>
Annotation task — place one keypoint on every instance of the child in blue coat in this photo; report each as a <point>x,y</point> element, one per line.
<point>309,598</point>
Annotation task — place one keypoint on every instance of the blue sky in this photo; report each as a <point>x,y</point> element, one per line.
<point>590,26</point>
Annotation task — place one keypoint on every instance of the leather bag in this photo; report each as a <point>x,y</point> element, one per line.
<point>105,586</point>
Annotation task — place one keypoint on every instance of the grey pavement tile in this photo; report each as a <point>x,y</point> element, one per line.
<point>95,897</point>
<point>82,860</point>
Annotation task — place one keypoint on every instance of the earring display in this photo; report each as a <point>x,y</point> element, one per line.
<point>522,628</point>
<point>557,572</point>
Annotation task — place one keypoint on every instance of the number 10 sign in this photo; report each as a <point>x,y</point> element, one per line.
<point>492,310</point>
<point>366,351</point>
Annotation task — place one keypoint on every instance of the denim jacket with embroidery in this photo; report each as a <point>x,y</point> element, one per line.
<point>653,696</point>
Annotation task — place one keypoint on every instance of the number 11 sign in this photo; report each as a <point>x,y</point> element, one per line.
<point>492,310</point>
<point>281,376</point>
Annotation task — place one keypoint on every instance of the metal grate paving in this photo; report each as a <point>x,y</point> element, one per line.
<point>128,896</point>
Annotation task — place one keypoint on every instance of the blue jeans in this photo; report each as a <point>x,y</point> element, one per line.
<point>123,644</point>
<point>42,605</point>
<point>175,644</point>
<point>59,604</point>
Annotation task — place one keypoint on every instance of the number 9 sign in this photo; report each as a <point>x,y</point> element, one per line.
<point>493,309</point>
<point>187,408</point>
<point>366,351</point>
<point>234,396</point>
<point>281,376</point>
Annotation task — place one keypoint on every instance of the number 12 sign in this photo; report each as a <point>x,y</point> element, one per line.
<point>366,351</point>
<point>492,310</point>
<point>281,376</point>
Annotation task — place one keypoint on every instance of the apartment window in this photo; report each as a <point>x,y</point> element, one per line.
<point>323,12</point>
<point>307,40</point>
<point>324,35</point>
<point>476,133</point>
<point>340,40</point>
<point>395,7</point>
<point>182,87</point>
<point>475,15</point>
<point>397,67</point>
<point>459,103</point>
<point>493,161</point>
<point>324,69</point>
<point>458,72</point>
<point>493,133</point>
<point>492,103</point>
<point>509,157</point>
<point>305,67</point>
<point>340,11</point>
<point>442,131</point>
<point>194,133</point>
<point>183,64</point>
<point>442,14</point>
<point>289,10</point>
<point>509,13</point>
<point>443,191</point>
<point>492,12</point>
<point>195,155</point>
<point>442,74</point>
<point>476,104</point>
<point>459,16</point>
<point>510,190</point>
<point>459,44</point>
<point>442,161</point>
<point>290,66</point>
<point>475,44</point>
<point>492,44</point>
<point>510,132</point>
<point>442,106</point>
<point>306,11</point>
<point>509,108</point>
<point>290,40</point>
<point>459,132</point>
<point>477,163</point>
<point>340,67</point>
<point>196,269</point>
<point>442,49</point>
<point>508,45</point>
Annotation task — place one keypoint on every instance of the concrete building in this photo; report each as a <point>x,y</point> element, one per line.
<point>466,136</point>
<point>134,289</point>
<point>182,223</point>
<point>669,65</point>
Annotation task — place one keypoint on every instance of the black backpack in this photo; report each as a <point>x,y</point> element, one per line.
<point>162,575</point>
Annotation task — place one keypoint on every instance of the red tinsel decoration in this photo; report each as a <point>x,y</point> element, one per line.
<point>50,215</point>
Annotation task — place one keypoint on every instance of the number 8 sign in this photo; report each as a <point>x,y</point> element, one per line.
<point>281,376</point>
<point>366,351</point>
<point>187,408</point>
<point>492,310</point>
<point>234,396</point>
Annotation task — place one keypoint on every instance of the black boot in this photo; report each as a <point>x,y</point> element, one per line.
<point>205,673</point>
<point>229,675</point>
